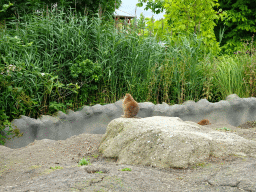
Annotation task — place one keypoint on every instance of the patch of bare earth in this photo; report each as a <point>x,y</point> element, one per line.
<point>29,168</point>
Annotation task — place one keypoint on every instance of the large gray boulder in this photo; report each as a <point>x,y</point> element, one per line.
<point>169,142</point>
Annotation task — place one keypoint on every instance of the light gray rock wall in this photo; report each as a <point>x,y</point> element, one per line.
<point>94,119</point>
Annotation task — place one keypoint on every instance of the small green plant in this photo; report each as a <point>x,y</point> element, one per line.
<point>224,129</point>
<point>126,169</point>
<point>203,164</point>
<point>56,167</point>
<point>99,172</point>
<point>95,155</point>
<point>54,106</point>
<point>84,162</point>
<point>4,122</point>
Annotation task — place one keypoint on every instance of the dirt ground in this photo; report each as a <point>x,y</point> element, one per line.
<point>48,165</point>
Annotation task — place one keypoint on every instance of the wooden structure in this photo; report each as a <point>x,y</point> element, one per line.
<point>123,16</point>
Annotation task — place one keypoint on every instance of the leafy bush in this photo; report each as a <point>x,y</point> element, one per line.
<point>239,22</point>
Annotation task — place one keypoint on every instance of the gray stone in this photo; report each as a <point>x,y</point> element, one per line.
<point>146,109</point>
<point>94,119</point>
<point>161,109</point>
<point>45,118</point>
<point>232,97</point>
<point>97,109</point>
<point>169,142</point>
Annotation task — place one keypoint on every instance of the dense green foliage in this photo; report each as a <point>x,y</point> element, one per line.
<point>224,24</point>
<point>239,23</point>
<point>186,17</point>
<point>88,7</point>
<point>63,60</point>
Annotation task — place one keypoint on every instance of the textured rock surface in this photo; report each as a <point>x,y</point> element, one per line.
<point>94,119</point>
<point>169,142</point>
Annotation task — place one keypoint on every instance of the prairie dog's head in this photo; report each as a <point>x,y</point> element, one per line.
<point>128,97</point>
<point>204,122</point>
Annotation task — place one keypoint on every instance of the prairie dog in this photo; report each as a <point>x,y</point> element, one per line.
<point>204,122</point>
<point>130,106</point>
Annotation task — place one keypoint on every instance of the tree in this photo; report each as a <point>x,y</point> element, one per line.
<point>239,23</point>
<point>189,16</point>
<point>89,7</point>
<point>156,6</point>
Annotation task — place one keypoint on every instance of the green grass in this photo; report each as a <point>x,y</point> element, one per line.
<point>84,162</point>
<point>126,169</point>
<point>228,76</point>
<point>223,129</point>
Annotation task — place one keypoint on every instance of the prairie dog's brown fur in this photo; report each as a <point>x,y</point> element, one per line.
<point>204,122</point>
<point>130,106</point>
